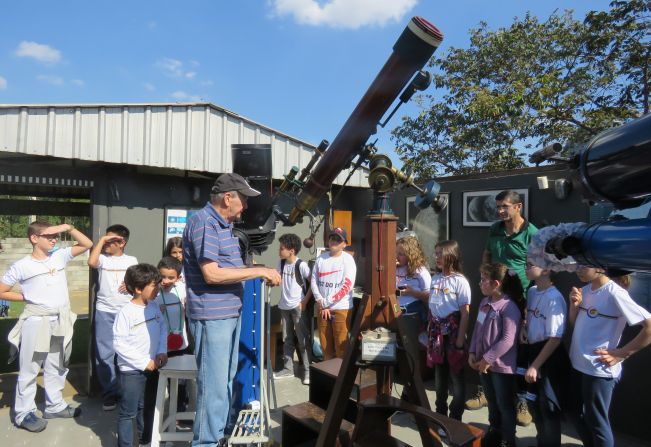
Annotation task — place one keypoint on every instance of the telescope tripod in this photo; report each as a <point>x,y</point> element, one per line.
<point>380,308</point>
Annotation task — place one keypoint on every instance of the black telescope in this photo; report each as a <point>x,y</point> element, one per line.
<point>411,52</point>
<point>616,166</point>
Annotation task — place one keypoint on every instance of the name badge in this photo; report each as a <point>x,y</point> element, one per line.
<point>481,316</point>
<point>437,299</point>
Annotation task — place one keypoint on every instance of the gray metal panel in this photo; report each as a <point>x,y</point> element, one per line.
<point>194,137</point>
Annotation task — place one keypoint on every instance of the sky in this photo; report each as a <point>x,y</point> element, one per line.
<point>297,66</point>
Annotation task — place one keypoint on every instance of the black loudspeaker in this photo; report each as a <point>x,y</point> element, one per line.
<point>253,162</point>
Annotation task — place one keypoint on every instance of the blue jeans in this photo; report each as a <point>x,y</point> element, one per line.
<point>500,391</point>
<point>137,401</point>
<point>591,412</point>
<point>105,354</point>
<point>216,351</point>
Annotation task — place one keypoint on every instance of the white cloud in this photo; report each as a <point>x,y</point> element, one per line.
<point>343,13</point>
<point>175,68</point>
<point>149,87</point>
<point>180,95</point>
<point>78,82</point>
<point>51,79</point>
<point>3,83</point>
<point>40,52</point>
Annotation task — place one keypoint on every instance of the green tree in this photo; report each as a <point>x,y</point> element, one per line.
<point>529,84</point>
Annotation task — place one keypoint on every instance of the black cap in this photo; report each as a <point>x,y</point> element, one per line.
<point>339,232</point>
<point>233,182</point>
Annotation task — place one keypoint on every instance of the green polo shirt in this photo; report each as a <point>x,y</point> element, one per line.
<point>511,250</point>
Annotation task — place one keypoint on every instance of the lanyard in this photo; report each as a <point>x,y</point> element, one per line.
<point>162,294</point>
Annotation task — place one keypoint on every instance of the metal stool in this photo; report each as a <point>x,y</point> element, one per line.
<point>181,367</point>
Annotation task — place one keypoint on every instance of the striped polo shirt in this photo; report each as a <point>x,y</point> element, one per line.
<point>209,238</point>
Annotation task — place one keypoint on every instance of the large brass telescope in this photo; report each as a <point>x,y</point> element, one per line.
<point>411,52</point>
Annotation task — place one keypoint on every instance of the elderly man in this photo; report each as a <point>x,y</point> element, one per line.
<point>508,241</point>
<point>214,273</point>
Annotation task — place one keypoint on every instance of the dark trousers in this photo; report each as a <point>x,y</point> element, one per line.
<point>444,375</point>
<point>137,402</point>
<point>591,412</point>
<point>499,389</point>
<point>547,418</point>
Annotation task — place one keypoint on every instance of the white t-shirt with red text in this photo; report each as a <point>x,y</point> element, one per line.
<point>333,278</point>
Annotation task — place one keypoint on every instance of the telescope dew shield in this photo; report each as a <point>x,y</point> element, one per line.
<point>411,52</point>
<point>615,166</point>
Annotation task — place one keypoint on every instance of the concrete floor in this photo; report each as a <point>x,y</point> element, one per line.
<point>97,428</point>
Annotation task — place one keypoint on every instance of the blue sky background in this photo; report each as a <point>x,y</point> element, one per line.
<point>298,66</point>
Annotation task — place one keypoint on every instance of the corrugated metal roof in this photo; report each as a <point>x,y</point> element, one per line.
<point>194,136</point>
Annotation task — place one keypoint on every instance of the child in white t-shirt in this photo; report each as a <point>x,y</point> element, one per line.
<point>413,279</point>
<point>599,312</point>
<point>548,366</point>
<point>333,278</point>
<point>42,278</point>
<point>171,300</point>
<point>140,343</point>
<point>294,297</point>
<point>449,307</point>
<point>108,257</point>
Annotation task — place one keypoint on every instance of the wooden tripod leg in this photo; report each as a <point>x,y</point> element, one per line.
<point>409,368</point>
<point>344,384</point>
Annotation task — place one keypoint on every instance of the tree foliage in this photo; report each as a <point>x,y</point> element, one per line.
<point>532,83</point>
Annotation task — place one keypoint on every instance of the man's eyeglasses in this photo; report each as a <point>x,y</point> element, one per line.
<point>506,207</point>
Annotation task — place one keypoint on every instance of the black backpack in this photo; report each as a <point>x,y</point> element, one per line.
<point>297,274</point>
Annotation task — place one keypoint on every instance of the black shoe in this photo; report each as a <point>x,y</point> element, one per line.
<point>110,403</point>
<point>67,413</point>
<point>33,423</point>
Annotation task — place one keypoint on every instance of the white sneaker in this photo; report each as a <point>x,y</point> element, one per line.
<point>306,380</point>
<point>283,374</point>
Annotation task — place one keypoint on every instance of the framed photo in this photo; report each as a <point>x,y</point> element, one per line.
<point>480,209</point>
<point>430,228</point>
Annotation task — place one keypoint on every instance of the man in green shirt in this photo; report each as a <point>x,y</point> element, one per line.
<point>508,241</point>
<point>508,238</point>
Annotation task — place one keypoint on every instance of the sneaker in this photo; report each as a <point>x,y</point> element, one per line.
<point>306,379</point>
<point>283,374</point>
<point>523,416</point>
<point>66,413</point>
<point>33,423</point>
<point>110,403</point>
<point>477,401</point>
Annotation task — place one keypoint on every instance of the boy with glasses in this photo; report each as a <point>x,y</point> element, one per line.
<point>43,333</point>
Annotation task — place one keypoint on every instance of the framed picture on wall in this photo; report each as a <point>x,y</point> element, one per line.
<point>430,228</point>
<point>480,209</point>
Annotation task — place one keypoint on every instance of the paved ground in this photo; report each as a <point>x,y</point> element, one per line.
<point>97,428</point>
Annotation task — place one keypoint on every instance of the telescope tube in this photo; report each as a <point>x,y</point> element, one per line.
<point>623,244</point>
<point>615,166</point>
<point>411,52</point>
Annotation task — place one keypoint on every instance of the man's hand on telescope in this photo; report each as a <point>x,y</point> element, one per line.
<point>271,276</point>
<point>610,357</point>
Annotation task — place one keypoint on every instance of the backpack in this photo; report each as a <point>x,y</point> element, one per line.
<point>297,274</point>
